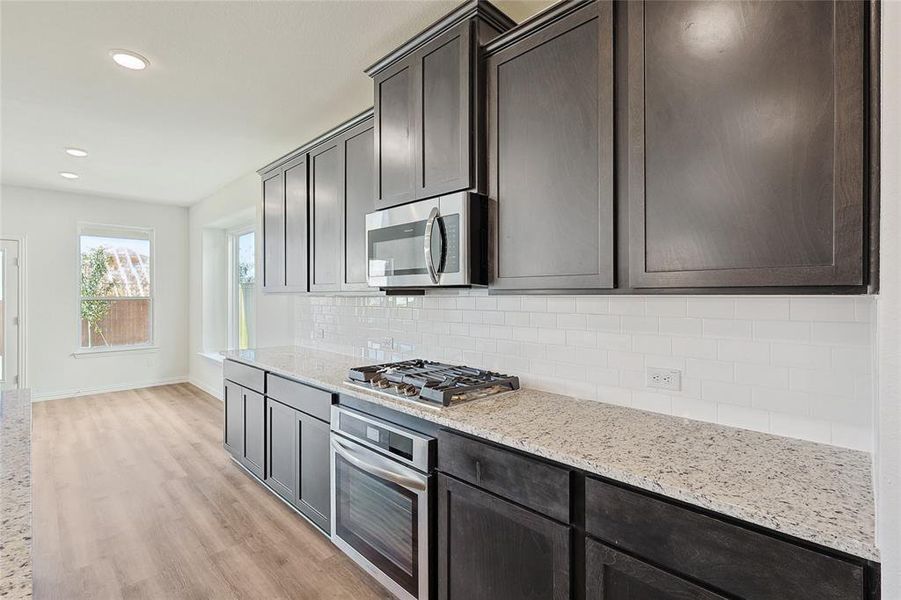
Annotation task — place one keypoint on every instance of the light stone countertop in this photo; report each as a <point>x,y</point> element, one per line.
<point>15,495</point>
<point>815,492</point>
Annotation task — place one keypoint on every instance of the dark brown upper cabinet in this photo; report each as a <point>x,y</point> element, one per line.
<point>746,143</point>
<point>325,218</point>
<point>427,115</point>
<point>285,227</point>
<point>296,225</point>
<point>274,230</point>
<point>550,150</point>
<point>356,199</point>
<point>315,201</point>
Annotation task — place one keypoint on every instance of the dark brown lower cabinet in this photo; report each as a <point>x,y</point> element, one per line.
<point>612,575</point>
<point>492,549</point>
<point>313,473</point>
<point>245,426</point>
<point>298,460</point>
<point>233,436</point>
<point>281,433</point>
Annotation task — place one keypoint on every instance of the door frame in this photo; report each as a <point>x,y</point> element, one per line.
<point>21,298</point>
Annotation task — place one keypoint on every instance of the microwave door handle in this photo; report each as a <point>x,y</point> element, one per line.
<point>353,458</point>
<point>427,242</point>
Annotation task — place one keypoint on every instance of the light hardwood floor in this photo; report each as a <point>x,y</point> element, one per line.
<point>134,497</point>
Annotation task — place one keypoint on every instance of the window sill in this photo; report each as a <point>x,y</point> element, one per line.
<point>97,352</point>
<point>215,357</point>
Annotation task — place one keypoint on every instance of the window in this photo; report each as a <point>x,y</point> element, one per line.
<point>242,285</point>
<point>116,304</point>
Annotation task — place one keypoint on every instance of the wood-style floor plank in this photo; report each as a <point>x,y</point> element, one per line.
<point>134,497</point>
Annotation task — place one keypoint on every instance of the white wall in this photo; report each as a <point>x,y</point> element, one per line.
<point>208,221</point>
<point>888,451</point>
<point>49,221</point>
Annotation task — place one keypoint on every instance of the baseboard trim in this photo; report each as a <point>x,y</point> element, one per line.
<point>43,396</point>
<point>214,392</point>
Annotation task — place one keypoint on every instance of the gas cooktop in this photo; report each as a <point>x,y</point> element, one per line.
<point>432,383</point>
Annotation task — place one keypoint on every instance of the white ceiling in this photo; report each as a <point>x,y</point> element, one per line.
<point>231,86</point>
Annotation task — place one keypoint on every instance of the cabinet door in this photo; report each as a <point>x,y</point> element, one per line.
<point>314,469</point>
<point>612,575</point>
<point>281,435</point>
<point>254,431</point>
<point>296,255</point>
<point>395,182</point>
<point>357,200</point>
<point>550,152</point>
<point>746,143</point>
<point>443,76</point>
<point>233,431</point>
<point>491,549</point>
<point>325,220</point>
<point>274,231</point>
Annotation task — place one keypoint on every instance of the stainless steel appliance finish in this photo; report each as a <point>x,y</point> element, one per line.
<point>380,499</point>
<point>437,242</point>
<point>431,383</point>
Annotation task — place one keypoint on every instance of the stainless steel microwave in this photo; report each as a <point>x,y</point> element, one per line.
<point>438,242</point>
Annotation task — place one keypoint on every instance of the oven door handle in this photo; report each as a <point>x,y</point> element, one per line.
<point>384,472</point>
<point>427,242</point>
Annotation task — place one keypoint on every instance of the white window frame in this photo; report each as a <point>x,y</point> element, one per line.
<point>232,283</point>
<point>112,230</point>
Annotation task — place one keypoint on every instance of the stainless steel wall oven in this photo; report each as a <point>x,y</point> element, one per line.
<point>381,482</point>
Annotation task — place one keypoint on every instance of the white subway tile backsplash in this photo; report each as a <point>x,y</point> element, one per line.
<point>633,324</point>
<point>727,328</point>
<point>582,338</point>
<point>841,333</point>
<point>692,408</point>
<point>561,305</point>
<point>805,428</point>
<point>762,308</point>
<point>534,304</point>
<point>652,344</point>
<point>725,392</point>
<point>666,307</point>
<point>821,309</point>
<point>762,375</point>
<point>798,366</point>
<point>680,326</point>
<point>627,306</point>
<point>594,306</point>
<point>800,355</point>
<point>695,347</point>
<point>741,351</point>
<point>786,331</point>
<point>743,416</point>
<point>710,307</point>
<point>713,370</point>
<point>571,321</point>
<point>612,323</point>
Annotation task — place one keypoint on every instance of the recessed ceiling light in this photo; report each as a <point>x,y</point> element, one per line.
<point>76,152</point>
<point>129,60</point>
<point>67,175</point>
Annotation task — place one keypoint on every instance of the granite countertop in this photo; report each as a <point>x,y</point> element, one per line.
<point>15,495</point>
<point>815,492</point>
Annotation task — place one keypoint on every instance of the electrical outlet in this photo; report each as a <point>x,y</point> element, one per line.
<point>319,334</point>
<point>388,342</point>
<point>664,379</point>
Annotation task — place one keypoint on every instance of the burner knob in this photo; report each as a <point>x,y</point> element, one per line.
<point>411,391</point>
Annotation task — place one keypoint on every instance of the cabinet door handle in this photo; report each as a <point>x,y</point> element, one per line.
<point>479,471</point>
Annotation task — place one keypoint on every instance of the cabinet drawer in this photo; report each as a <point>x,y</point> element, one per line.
<point>529,482</point>
<point>727,557</point>
<point>313,401</point>
<point>249,377</point>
